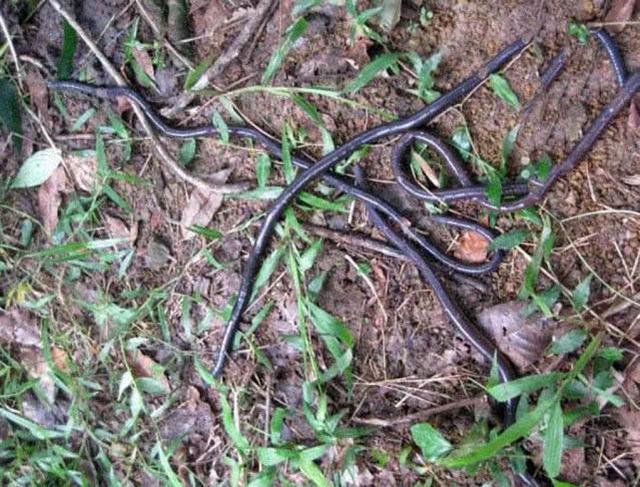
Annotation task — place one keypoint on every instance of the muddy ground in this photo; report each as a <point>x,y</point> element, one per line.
<point>408,358</point>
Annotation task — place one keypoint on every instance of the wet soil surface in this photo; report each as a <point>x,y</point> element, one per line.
<point>407,355</point>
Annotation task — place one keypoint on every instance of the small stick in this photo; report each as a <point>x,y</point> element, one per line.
<point>228,55</point>
<point>12,49</point>
<point>171,163</point>
<point>420,415</point>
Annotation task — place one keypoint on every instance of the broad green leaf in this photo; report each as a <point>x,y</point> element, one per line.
<point>494,188</point>
<point>125,382</point>
<point>327,324</point>
<point>321,203</point>
<point>519,429</point>
<point>263,169</point>
<point>136,403</point>
<point>10,115</point>
<point>221,125</point>
<point>502,89</point>
<point>553,440</point>
<point>208,233</point>
<point>173,479</point>
<point>83,119</point>
<point>509,240</point>
<point>187,152</point>
<point>269,457</point>
<point>269,265</point>
<point>310,470</point>
<point>308,257</point>
<point>430,441</point>
<point>579,31</point>
<point>461,139</point>
<point>425,77</point>
<point>371,70</point>
<point>341,364</point>
<point>37,168</point>
<point>69,45</point>
<point>195,74</point>
<point>568,342</point>
<point>292,35</point>
<point>35,429</point>
<point>277,422</point>
<point>233,432</point>
<point>580,295</point>
<point>611,354</point>
<point>514,388</point>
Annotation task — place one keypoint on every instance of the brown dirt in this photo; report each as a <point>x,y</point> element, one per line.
<point>415,341</point>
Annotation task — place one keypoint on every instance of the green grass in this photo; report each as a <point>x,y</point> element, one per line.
<point>94,306</point>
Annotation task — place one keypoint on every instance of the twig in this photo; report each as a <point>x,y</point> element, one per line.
<point>160,149</point>
<point>421,415</point>
<point>229,54</point>
<point>233,51</point>
<point>12,49</point>
<point>380,247</point>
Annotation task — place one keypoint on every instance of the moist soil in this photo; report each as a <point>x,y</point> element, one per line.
<point>407,355</point>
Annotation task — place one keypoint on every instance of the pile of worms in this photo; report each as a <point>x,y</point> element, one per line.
<point>413,245</point>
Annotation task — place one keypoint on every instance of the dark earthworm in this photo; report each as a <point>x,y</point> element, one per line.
<point>273,146</point>
<point>462,324</point>
<point>615,57</point>
<point>325,164</point>
<point>553,69</point>
<point>533,192</point>
<point>537,189</point>
<point>316,170</point>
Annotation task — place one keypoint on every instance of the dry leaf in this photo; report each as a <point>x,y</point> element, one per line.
<point>634,114</point>
<point>632,180</point>
<point>38,93</point>
<point>620,11</point>
<point>472,247</point>
<point>202,206</point>
<point>630,419</point>
<point>144,60</point>
<point>50,197</point>
<point>18,328</point>
<point>144,366</point>
<point>83,172</point>
<point>38,368</point>
<point>116,228</point>
<point>521,339</point>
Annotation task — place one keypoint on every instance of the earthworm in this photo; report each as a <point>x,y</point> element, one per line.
<point>462,324</point>
<point>529,193</point>
<point>615,57</point>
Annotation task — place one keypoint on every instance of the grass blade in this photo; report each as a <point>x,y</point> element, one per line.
<point>293,34</point>
<point>371,70</point>
<point>553,439</point>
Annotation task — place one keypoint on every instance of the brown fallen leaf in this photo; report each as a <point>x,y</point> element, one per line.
<point>116,228</point>
<point>471,247</point>
<point>82,170</point>
<point>49,199</point>
<point>144,60</point>
<point>18,328</point>
<point>38,93</point>
<point>202,206</point>
<point>144,366</point>
<point>630,419</point>
<point>522,340</point>
<point>634,114</point>
<point>620,12</point>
